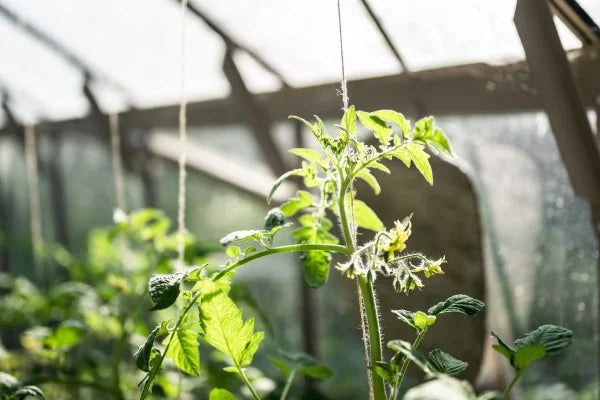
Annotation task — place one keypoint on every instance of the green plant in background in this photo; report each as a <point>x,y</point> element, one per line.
<point>207,313</point>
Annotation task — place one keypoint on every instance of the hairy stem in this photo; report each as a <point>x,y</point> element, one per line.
<point>512,384</point>
<point>288,385</point>
<point>368,294</point>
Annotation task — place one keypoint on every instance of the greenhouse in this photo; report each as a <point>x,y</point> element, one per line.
<point>341,199</point>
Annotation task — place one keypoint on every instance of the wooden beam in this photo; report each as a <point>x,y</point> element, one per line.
<point>462,90</point>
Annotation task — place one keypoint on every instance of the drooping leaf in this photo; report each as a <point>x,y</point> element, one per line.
<point>380,167</point>
<point>395,118</point>
<point>422,320</point>
<point>527,354</point>
<point>221,394</point>
<point>293,205</point>
<point>377,125</point>
<point>407,317</point>
<point>349,120</point>
<point>421,160</point>
<point>414,355</point>
<point>164,289</point>
<point>223,326</point>
<point>240,236</point>
<point>155,361</point>
<point>316,267</point>
<point>366,176</point>
<point>317,129</point>
<point>310,155</point>
<point>552,338</point>
<point>183,347</point>
<point>280,180</point>
<point>459,303</point>
<point>142,355</point>
<point>445,363</point>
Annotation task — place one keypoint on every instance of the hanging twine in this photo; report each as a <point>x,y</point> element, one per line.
<point>115,146</point>
<point>182,143</point>
<point>34,202</point>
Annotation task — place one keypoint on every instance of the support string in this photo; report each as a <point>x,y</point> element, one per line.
<point>34,203</point>
<point>115,148</point>
<point>361,307</point>
<point>182,143</point>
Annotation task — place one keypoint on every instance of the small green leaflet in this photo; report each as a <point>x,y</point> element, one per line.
<point>445,363</point>
<point>374,123</point>
<point>142,355</point>
<point>317,129</point>
<point>407,317</point>
<point>395,118</point>
<point>183,347</point>
<point>221,394</point>
<point>527,354</point>
<point>422,320</point>
<point>421,160</point>
<point>223,326</point>
<point>316,267</point>
<point>503,348</point>
<point>366,176</point>
<point>425,132</point>
<point>280,180</point>
<point>349,120</point>
<point>414,355</point>
<point>155,360</point>
<point>364,216</point>
<point>310,155</point>
<point>459,303</point>
<point>552,338</point>
<point>293,205</point>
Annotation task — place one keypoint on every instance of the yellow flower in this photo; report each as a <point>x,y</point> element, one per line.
<point>434,267</point>
<point>399,236</point>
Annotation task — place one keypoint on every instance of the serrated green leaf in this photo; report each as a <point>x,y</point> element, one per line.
<point>164,289</point>
<point>380,167</point>
<point>445,363</point>
<point>233,251</point>
<point>421,160</point>
<point>221,394</point>
<point>425,132</point>
<point>422,320</point>
<point>280,180</point>
<point>502,348</point>
<point>293,205</point>
<point>349,120</point>
<point>316,267</point>
<point>395,118</point>
<point>142,355</point>
<point>406,316</point>
<point>310,155</point>
<point>423,128</point>
<point>403,155</point>
<point>459,303</point>
<point>552,338</point>
<point>183,348</point>
<point>377,125</point>
<point>366,176</point>
<point>223,326</point>
<point>527,354</point>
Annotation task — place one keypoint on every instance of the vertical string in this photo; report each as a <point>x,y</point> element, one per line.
<point>361,307</point>
<point>182,143</point>
<point>34,203</point>
<point>115,147</point>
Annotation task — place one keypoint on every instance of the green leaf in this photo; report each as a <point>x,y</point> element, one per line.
<point>183,348</point>
<point>155,361</point>
<point>316,267</point>
<point>377,125</point>
<point>349,120</point>
<point>66,335</point>
<point>445,363</point>
<point>366,176</point>
<point>423,128</point>
<point>403,155</point>
<point>502,348</point>
<point>459,303</point>
<point>414,355</point>
<point>552,338</point>
<point>385,370</point>
<point>319,371</point>
<point>142,355</point>
<point>422,320</point>
<point>221,394</point>
<point>310,155</point>
<point>164,289</point>
<point>395,118</point>
<point>527,354</point>
<point>380,167</point>
<point>281,365</point>
<point>407,317</point>
<point>440,140</point>
<point>233,251</point>
<point>364,216</point>
<point>240,236</point>
<point>421,160</point>
<point>303,364</point>
<point>318,129</point>
<point>280,180</point>
<point>223,326</point>
<point>293,205</point>
<point>426,133</point>
<point>28,392</point>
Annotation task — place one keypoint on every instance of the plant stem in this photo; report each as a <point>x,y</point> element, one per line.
<point>406,362</point>
<point>344,219</point>
<point>366,288</point>
<point>288,385</point>
<point>282,249</point>
<point>512,383</point>
<point>247,382</point>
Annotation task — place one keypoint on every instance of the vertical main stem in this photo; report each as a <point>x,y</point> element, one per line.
<point>375,351</point>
